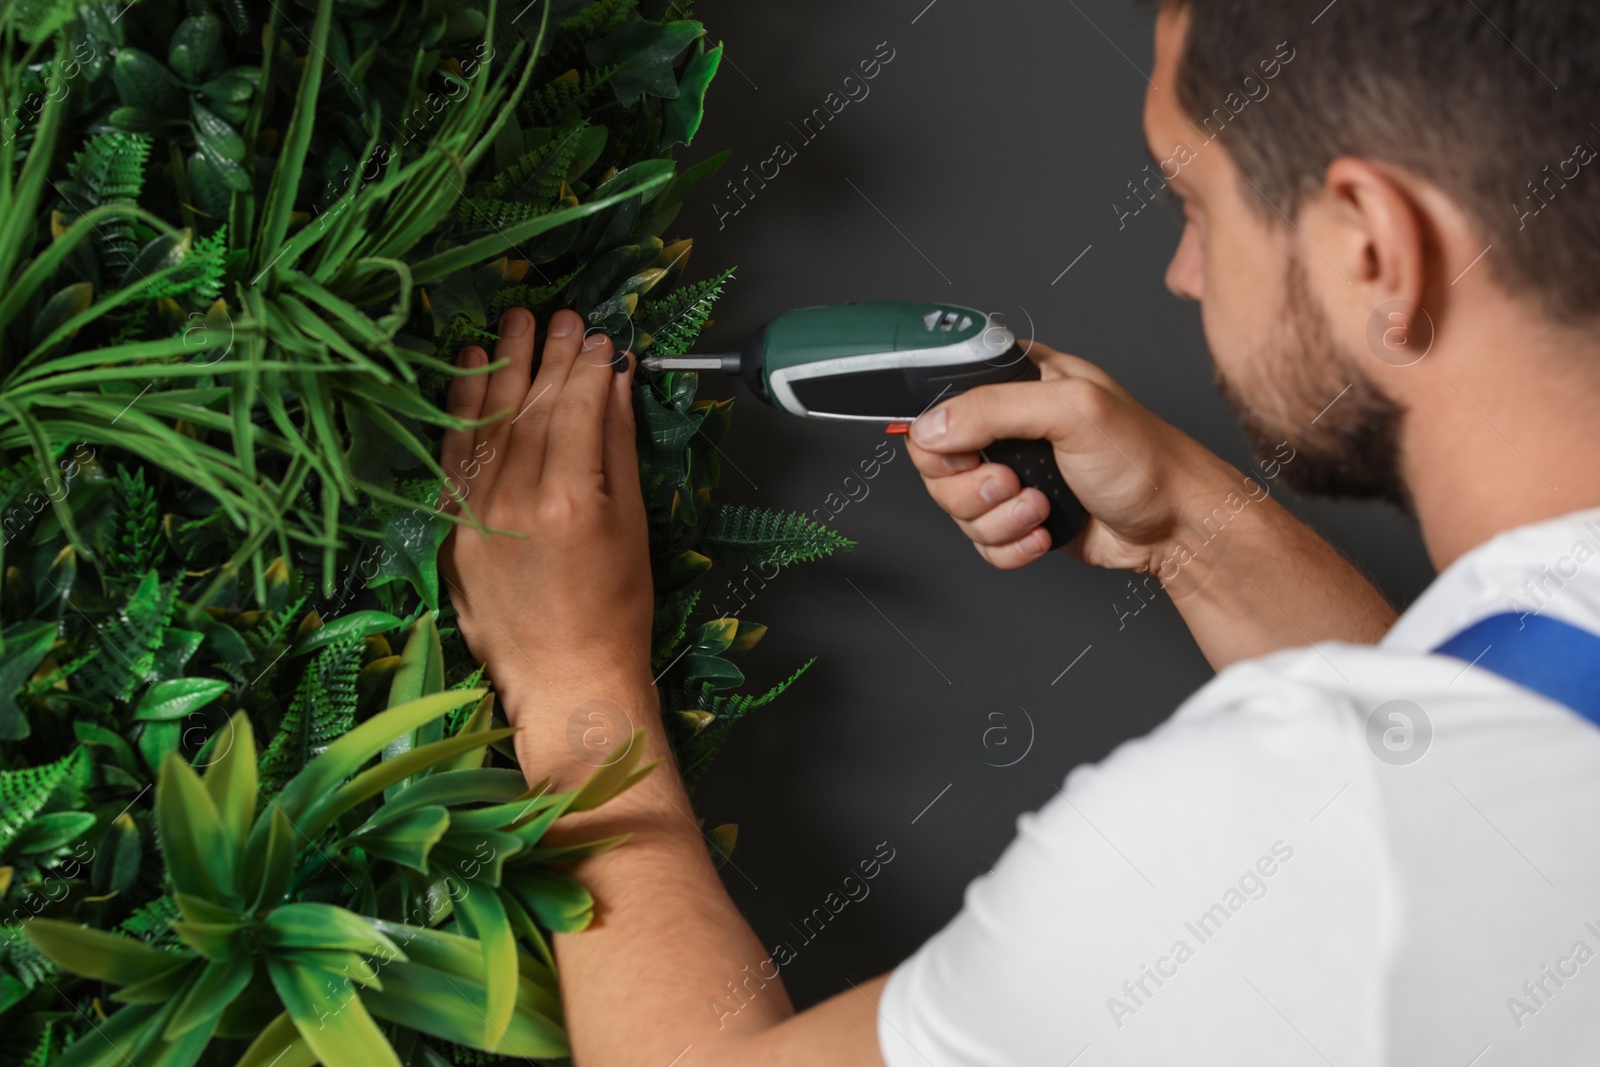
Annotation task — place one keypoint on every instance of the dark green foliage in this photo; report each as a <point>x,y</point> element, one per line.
<point>740,535</point>
<point>322,711</point>
<point>235,259</point>
<point>136,536</point>
<point>109,170</point>
<point>129,640</point>
<point>24,793</point>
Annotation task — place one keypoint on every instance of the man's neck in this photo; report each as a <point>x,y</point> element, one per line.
<point>1507,437</point>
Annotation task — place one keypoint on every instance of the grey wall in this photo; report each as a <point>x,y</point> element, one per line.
<point>986,158</point>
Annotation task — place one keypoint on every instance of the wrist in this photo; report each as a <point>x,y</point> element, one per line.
<point>1218,513</point>
<point>571,723</point>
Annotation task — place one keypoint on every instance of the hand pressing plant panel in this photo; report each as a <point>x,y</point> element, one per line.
<point>256,802</point>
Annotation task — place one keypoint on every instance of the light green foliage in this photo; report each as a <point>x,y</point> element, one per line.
<point>675,321</point>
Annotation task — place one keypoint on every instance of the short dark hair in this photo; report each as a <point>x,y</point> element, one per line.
<point>1494,101</point>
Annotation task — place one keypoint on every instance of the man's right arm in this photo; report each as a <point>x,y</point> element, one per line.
<point>1248,577</point>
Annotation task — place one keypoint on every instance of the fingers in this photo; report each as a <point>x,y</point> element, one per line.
<point>530,426</point>
<point>933,465</point>
<point>1019,553</point>
<point>465,401</point>
<point>975,492</point>
<point>621,453</point>
<point>577,422</point>
<point>1064,411</point>
<point>1053,364</point>
<point>508,386</point>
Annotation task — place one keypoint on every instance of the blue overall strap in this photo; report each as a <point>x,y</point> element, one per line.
<point>1553,658</point>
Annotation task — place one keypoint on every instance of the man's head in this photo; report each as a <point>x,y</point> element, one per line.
<point>1342,172</point>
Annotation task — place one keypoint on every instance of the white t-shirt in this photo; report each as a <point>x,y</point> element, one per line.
<point>1267,880</point>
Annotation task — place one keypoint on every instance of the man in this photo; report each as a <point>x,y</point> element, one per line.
<point>1346,849</point>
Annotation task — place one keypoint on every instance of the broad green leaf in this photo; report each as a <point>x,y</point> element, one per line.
<point>483,917</point>
<point>46,833</point>
<point>99,955</point>
<point>322,926</point>
<point>199,851</point>
<point>559,903</point>
<point>278,1045</point>
<point>645,51</point>
<point>196,51</point>
<point>715,636</point>
<point>115,1042</point>
<point>490,784</point>
<point>406,839</point>
<point>214,990</point>
<point>715,670</point>
<point>355,624</point>
<point>172,700</point>
<point>164,987</point>
<point>342,758</point>
<point>680,117</point>
<point>371,782</point>
<point>269,857</point>
<point>334,1024</point>
<point>614,777</point>
<point>25,646</point>
<point>453,1008</point>
<point>230,778</point>
<point>420,673</point>
<point>214,941</point>
<point>143,81</point>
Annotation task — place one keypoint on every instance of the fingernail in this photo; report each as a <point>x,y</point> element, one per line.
<point>620,364</point>
<point>515,323</point>
<point>561,325</point>
<point>469,357</point>
<point>1025,512</point>
<point>1038,541</point>
<point>595,340</point>
<point>930,427</point>
<point>992,491</point>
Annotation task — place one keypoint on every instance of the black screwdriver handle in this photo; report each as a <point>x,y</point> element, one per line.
<point>1035,464</point>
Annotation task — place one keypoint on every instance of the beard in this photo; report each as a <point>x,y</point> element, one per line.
<point>1347,448</point>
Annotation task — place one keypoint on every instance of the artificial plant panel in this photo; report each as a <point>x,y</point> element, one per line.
<point>255,803</point>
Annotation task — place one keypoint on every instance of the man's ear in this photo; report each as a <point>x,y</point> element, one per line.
<point>1375,231</point>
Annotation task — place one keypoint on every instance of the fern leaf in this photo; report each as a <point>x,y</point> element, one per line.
<point>540,173</point>
<point>203,269</point>
<point>598,18</point>
<point>675,320</point>
<point>25,791</point>
<point>670,624</point>
<point>136,536</point>
<point>53,1033</point>
<point>109,170</point>
<point>728,709</point>
<point>480,214</point>
<point>525,296</point>
<point>130,640</point>
<point>555,102</point>
<point>151,923</point>
<point>323,710</point>
<point>738,534</point>
<point>271,630</point>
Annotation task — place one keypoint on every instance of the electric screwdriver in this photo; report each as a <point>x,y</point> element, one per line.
<point>888,362</point>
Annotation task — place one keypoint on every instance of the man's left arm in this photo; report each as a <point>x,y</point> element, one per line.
<point>562,618</point>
